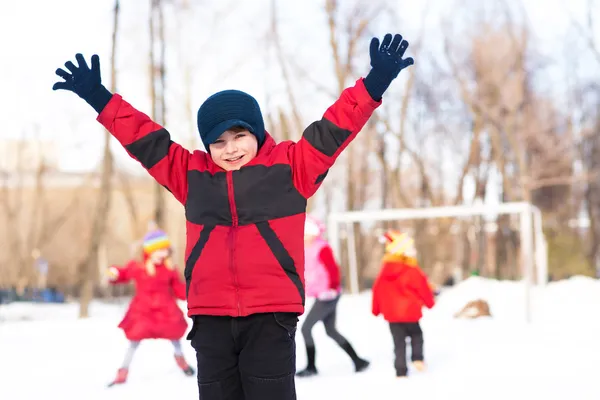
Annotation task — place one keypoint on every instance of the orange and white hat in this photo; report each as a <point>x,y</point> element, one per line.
<point>398,243</point>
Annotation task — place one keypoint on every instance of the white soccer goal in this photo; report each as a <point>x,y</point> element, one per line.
<point>533,244</point>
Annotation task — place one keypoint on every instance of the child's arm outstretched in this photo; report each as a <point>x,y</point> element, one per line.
<point>118,274</point>
<point>375,306</point>
<point>143,139</point>
<point>324,140</point>
<point>178,286</point>
<point>423,289</point>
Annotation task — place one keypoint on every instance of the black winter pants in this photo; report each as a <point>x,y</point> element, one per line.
<point>245,358</point>
<point>322,310</point>
<point>400,331</point>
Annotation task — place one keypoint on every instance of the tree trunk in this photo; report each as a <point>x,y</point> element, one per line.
<point>298,124</point>
<point>157,86</point>
<point>129,194</point>
<point>592,197</point>
<point>89,266</point>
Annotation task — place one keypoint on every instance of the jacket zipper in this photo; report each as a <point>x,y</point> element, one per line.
<point>232,234</point>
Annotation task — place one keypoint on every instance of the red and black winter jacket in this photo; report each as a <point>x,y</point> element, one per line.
<point>245,228</point>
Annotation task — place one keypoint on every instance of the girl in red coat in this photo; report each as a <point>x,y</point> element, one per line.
<point>399,293</point>
<point>153,312</point>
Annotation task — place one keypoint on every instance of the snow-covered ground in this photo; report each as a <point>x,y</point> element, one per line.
<point>47,353</point>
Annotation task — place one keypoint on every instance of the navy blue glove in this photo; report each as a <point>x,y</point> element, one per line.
<point>386,64</point>
<point>84,82</point>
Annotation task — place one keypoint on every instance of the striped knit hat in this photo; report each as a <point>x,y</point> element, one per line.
<point>156,240</point>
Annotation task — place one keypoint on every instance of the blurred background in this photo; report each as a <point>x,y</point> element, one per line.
<point>501,106</point>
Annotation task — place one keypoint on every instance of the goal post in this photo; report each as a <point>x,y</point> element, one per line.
<point>533,244</point>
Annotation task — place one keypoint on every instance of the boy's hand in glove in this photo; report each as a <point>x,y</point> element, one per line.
<point>386,63</point>
<point>84,82</point>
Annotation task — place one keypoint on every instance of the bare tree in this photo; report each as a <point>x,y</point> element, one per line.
<point>89,266</point>
<point>590,155</point>
<point>298,124</point>
<point>585,107</point>
<point>495,81</point>
<point>157,89</point>
<point>588,29</point>
<point>348,29</point>
<point>191,48</point>
<point>132,206</point>
<point>533,144</point>
<point>29,222</point>
<point>420,131</point>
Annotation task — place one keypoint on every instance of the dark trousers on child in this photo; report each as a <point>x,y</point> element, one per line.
<point>245,358</point>
<point>326,311</point>
<point>322,310</point>
<point>400,331</point>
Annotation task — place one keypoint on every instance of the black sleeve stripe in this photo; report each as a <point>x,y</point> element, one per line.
<point>326,137</point>
<point>190,263</point>
<point>152,148</point>
<point>321,177</point>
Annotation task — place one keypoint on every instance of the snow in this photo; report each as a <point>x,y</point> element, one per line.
<point>46,352</point>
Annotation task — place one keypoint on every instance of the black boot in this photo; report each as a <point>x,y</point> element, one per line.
<point>189,371</point>
<point>310,369</point>
<point>359,363</point>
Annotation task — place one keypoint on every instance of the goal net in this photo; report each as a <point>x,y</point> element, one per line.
<point>499,241</point>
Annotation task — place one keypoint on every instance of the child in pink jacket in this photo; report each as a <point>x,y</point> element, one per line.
<point>322,282</point>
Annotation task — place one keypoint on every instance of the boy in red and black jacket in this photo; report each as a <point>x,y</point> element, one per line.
<point>245,202</point>
<point>399,293</point>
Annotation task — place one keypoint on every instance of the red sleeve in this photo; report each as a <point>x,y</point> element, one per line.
<point>178,286</point>
<point>328,259</point>
<point>124,273</point>
<point>324,140</point>
<point>420,285</point>
<point>148,143</point>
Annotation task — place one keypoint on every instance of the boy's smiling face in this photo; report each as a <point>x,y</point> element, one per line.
<point>234,149</point>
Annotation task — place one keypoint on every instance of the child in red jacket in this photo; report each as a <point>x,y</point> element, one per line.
<point>399,293</point>
<point>153,312</point>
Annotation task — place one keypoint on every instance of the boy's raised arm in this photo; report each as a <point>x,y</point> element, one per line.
<point>143,139</point>
<point>324,140</point>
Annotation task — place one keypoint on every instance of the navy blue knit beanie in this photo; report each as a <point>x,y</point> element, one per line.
<point>227,109</point>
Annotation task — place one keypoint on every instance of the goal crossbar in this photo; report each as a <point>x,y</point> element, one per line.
<point>428,212</point>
